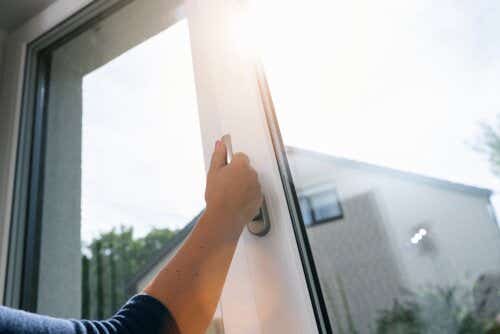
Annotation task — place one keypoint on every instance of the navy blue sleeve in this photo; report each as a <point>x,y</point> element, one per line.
<point>142,314</point>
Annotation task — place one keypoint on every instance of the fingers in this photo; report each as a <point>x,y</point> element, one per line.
<point>240,158</point>
<point>219,156</point>
<point>242,162</point>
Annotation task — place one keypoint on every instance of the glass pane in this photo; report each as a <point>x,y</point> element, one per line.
<point>124,171</point>
<point>395,104</point>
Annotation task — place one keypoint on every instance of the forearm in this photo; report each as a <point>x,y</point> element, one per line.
<point>191,284</point>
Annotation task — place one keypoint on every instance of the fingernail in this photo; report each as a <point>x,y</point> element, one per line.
<point>217,143</point>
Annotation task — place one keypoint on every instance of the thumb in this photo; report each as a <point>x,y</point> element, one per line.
<point>219,156</point>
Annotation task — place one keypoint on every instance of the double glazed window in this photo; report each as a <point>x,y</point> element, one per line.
<point>373,126</point>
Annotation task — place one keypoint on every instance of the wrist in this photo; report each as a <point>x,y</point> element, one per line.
<point>222,217</point>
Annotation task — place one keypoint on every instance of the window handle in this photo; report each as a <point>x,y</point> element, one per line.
<point>260,224</point>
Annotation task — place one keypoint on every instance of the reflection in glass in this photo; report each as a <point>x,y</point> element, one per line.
<point>394,105</point>
<point>319,204</point>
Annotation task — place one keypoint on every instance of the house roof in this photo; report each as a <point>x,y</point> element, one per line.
<point>408,176</point>
<point>182,234</point>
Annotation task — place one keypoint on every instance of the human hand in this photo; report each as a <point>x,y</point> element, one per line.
<point>233,190</point>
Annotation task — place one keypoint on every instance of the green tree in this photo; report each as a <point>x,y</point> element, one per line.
<point>85,287</point>
<point>116,257</point>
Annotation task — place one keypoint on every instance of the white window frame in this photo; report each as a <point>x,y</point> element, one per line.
<point>232,83</point>
<point>269,289</point>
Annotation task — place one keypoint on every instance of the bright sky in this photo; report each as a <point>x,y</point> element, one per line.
<point>395,83</point>
<point>142,160</point>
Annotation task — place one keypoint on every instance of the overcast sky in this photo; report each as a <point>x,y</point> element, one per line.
<point>402,84</point>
